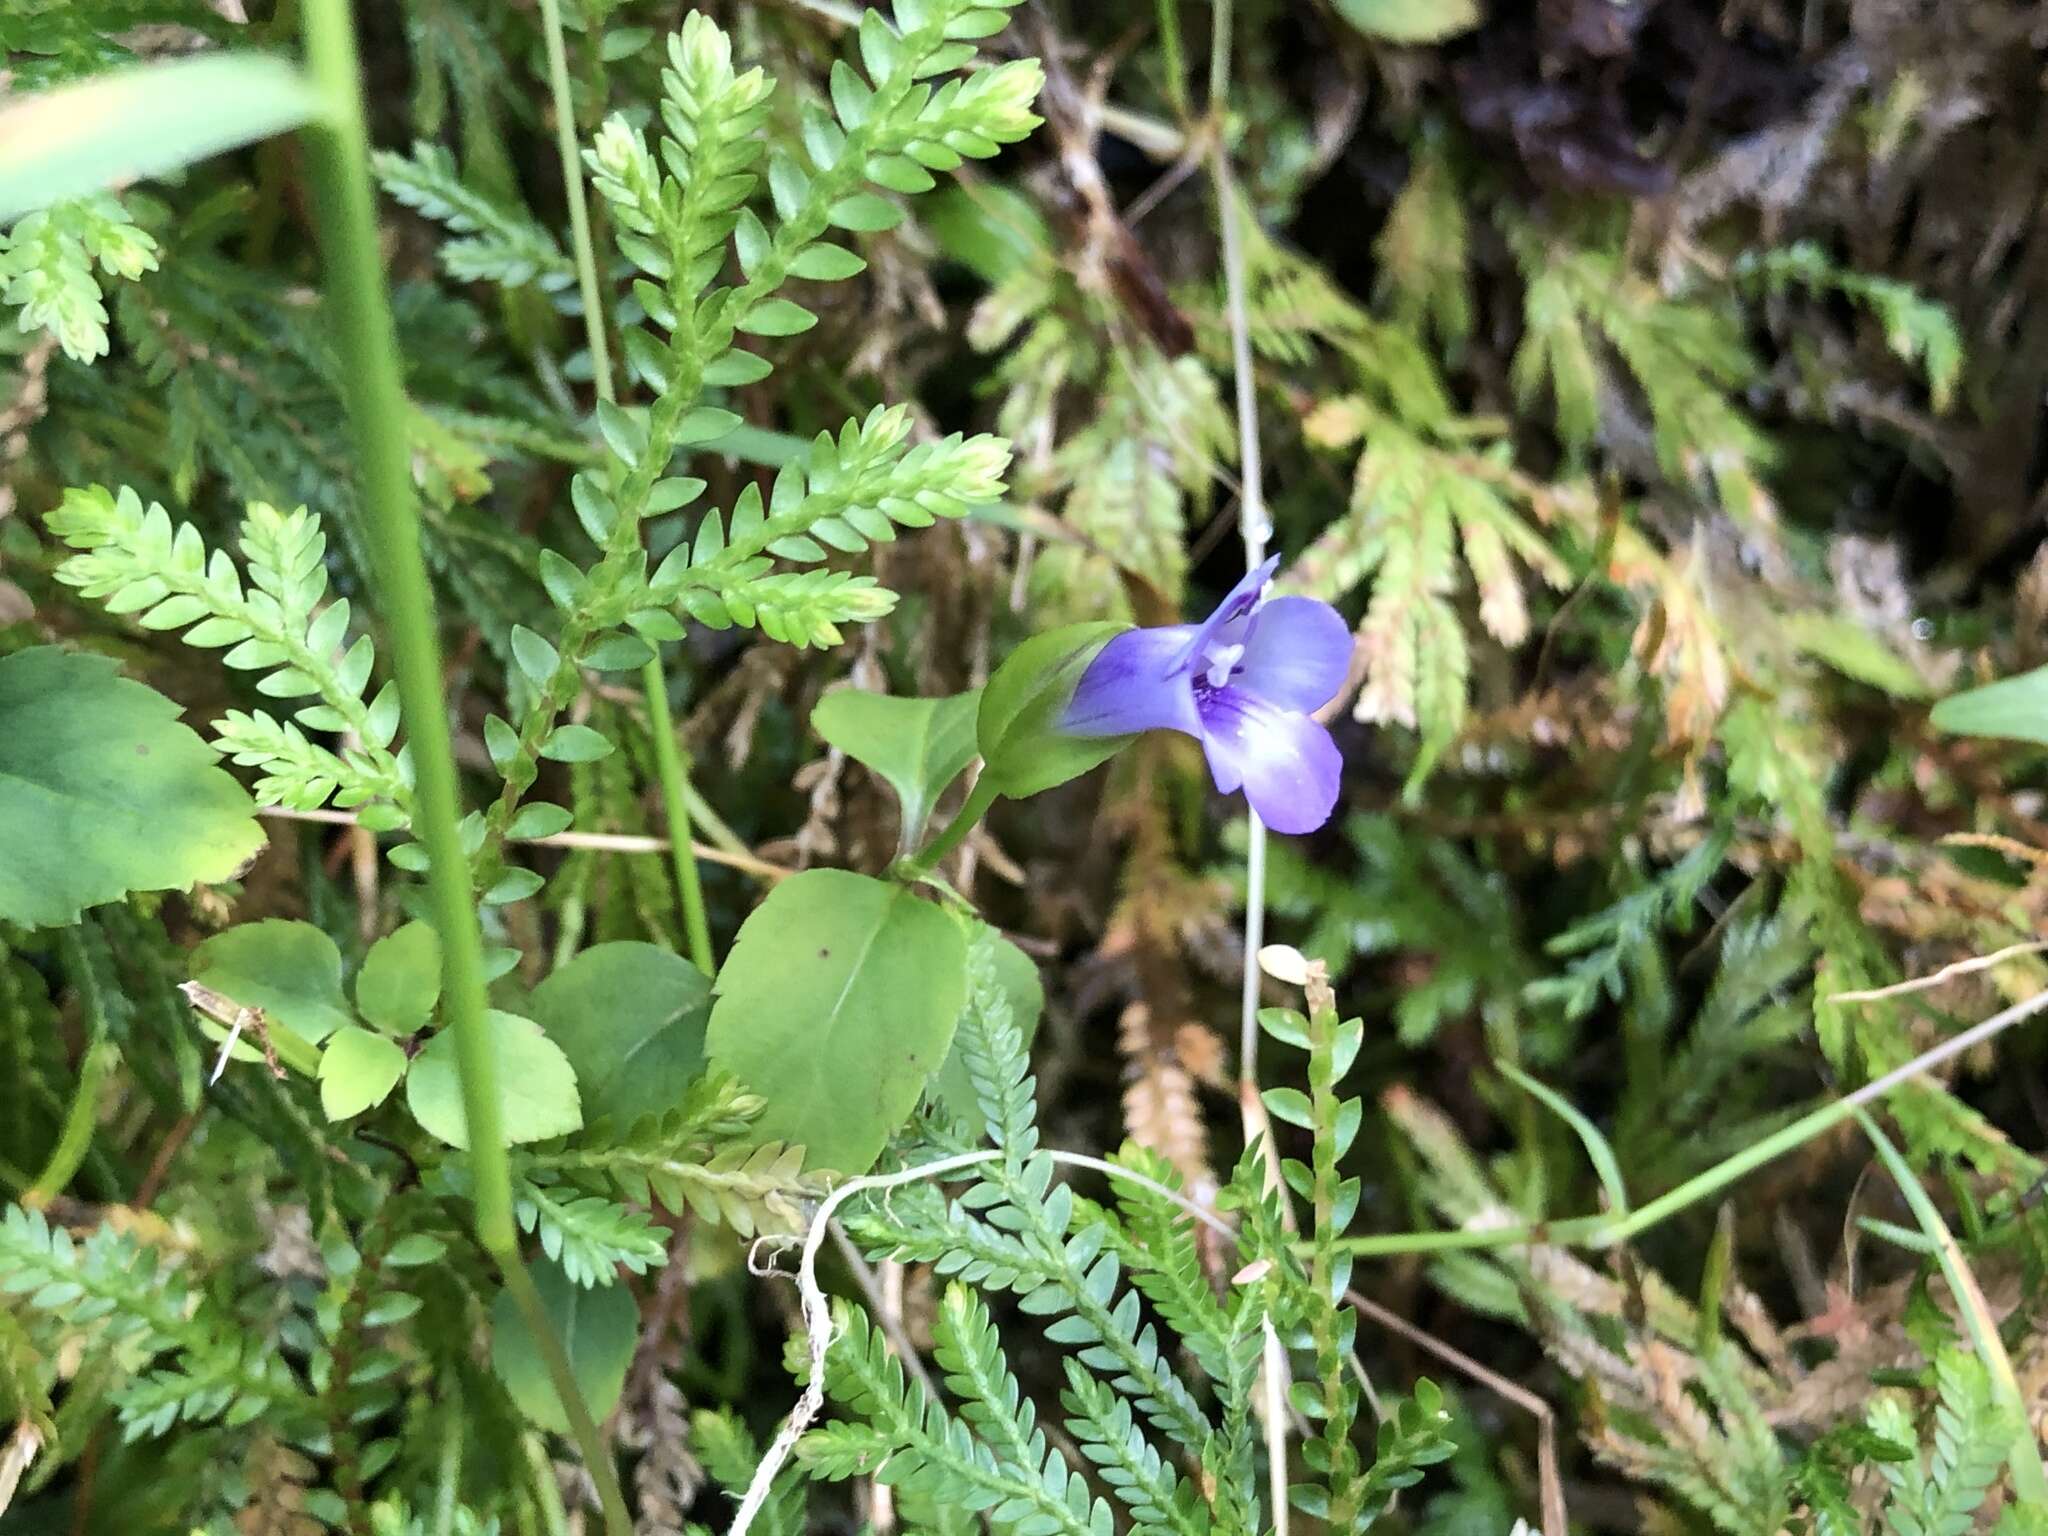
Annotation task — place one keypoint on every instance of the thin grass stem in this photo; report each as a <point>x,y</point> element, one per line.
<point>367,344</point>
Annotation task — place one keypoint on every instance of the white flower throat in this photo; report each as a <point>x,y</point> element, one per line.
<point>1222,660</point>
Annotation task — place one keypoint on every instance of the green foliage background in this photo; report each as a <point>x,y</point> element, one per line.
<point>1655,386</point>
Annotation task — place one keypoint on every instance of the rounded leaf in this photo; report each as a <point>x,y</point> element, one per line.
<point>918,746</point>
<point>401,979</point>
<point>598,1329</point>
<point>103,791</point>
<point>630,1017</point>
<point>357,1070</point>
<point>537,1094</point>
<point>292,971</point>
<point>836,1005</point>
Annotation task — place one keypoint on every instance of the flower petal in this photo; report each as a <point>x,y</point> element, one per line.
<point>1298,654</point>
<point>1236,607</point>
<point>1286,763</point>
<point>1135,683</point>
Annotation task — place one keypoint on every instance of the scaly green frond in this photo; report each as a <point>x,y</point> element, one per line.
<point>46,269</point>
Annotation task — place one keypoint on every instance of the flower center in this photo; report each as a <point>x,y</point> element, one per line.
<point>1222,663</point>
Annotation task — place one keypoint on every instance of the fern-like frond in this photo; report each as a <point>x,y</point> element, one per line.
<point>1424,249</point>
<point>118,1292</point>
<point>1417,514</point>
<point>1686,358</point>
<point>908,1441</point>
<point>694,1159</point>
<point>588,1235</point>
<point>1918,330</point>
<point>136,561</point>
<point>499,244</point>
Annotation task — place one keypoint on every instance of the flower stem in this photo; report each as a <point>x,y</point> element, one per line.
<point>367,343</point>
<point>979,799</point>
<point>669,765</point>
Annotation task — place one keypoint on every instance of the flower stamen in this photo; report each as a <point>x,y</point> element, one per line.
<point>1223,663</point>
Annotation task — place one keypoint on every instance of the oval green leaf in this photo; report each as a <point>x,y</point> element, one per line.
<point>918,746</point>
<point>357,1070</point>
<point>1410,21</point>
<point>103,792</point>
<point>292,971</point>
<point>401,979</point>
<point>598,1329</point>
<point>836,1005</point>
<point>537,1095</point>
<point>630,1017</point>
<point>2015,708</point>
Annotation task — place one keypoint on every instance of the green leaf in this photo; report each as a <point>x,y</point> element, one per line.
<point>598,1329</point>
<point>401,979</point>
<point>103,792</point>
<point>630,1018</point>
<point>357,1070</point>
<point>575,744</point>
<point>918,745</point>
<point>1019,745</point>
<point>1605,1164</point>
<point>777,317</point>
<point>1855,652</point>
<point>536,657</point>
<point>536,1085</point>
<point>837,1003</point>
<point>292,971</point>
<point>993,230</point>
<point>865,213</point>
<point>1410,21</point>
<point>142,122</point>
<point>2012,707</point>
<point>826,263</point>
<point>1017,976</point>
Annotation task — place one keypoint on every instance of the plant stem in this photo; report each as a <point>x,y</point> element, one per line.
<point>2023,1456</point>
<point>669,766</point>
<point>1253,526</point>
<point>367,344</point>
<point>674,774</point>
<point>1173,64</point>
<point>979,799</point>
<point>579,212</point>
<point>368,347</point>
<point>1605,1231</point>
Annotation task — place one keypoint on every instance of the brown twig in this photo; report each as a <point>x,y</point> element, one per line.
<point>597,842</point>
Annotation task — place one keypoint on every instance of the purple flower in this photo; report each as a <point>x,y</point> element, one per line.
<point>1243,684</point>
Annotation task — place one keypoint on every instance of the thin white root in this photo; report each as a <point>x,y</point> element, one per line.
<point>818,1322</point>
